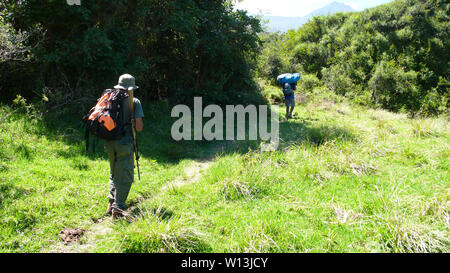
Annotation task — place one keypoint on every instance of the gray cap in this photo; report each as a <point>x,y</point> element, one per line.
<point>126,81</point>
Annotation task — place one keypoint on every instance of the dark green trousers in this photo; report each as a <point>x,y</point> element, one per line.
<point>121,172</point>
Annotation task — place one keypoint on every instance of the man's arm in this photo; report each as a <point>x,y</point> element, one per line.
<point>139,114</point>
<point>139,125</point>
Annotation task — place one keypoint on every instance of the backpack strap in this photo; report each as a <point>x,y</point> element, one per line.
<point>123,96</point>
<point>87,139</point>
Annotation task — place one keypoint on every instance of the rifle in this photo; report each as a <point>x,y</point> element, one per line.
<point>133,130</point>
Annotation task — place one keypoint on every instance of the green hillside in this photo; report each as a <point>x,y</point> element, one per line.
<point>394,56</point>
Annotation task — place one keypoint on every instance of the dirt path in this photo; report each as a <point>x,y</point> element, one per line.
<point>104,226</point>
<point>192,175</point>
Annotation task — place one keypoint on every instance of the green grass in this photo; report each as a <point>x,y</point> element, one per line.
<point>48,182</point>
<point>344,179</point>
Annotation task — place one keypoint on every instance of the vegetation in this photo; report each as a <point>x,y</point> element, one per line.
<point>345,177</point>
<point>176,49</point>
<point>48,181</point>
<point>393,56</point>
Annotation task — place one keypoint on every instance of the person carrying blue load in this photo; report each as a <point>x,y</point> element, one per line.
<point>289,84</point>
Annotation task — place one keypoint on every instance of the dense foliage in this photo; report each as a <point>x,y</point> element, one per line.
<point>175,49</point>
<point>394,56</point>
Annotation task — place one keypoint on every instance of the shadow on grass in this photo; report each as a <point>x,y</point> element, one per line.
<point>156,143</point>
<point>303,131</point>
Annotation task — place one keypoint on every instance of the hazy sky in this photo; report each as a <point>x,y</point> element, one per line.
<point>295,8</point>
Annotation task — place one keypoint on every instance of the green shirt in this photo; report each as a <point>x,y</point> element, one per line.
<point>138,113</point>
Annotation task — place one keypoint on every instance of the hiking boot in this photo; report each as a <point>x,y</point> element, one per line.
<point>117,213</point>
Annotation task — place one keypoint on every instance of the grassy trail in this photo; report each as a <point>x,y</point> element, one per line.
<point>103,227</point>
<point>344,179</point>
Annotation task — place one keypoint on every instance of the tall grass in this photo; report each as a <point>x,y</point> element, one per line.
<point>344,179</point>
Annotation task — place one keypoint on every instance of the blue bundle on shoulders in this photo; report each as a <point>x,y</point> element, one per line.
<point>288,78</point>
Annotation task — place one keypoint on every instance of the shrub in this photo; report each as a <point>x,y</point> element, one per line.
<point>336,79</point>
<point>393,88</point>
<point>273,93</point>
<point>308,82</point>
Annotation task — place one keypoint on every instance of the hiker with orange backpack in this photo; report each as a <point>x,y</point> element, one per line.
<point>113,120</point>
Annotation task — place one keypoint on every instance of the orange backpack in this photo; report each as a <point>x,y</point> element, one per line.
<point>105,119</point>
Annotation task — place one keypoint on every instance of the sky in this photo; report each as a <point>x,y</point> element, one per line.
<point>298,8</point>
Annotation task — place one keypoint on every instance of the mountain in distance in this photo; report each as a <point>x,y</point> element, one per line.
<point>334,7</point>
<point>283,24</point>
